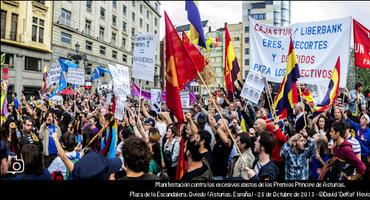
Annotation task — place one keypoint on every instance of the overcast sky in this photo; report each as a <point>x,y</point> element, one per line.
<point>219,12</point>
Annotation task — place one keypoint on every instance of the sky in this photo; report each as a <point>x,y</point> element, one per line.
<point>219,12</point>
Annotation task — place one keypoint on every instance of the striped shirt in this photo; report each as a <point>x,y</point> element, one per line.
<point>355,144</point>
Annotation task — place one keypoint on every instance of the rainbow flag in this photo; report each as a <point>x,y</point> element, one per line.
<point>109,141</point>
<point>288,94</point>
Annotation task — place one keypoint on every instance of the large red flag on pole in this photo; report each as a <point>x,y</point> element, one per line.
<point>362,45</point>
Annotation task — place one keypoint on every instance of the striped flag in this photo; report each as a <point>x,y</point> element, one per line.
<point>231,69</point>
<point>333,89</point>
<point>196,29</point>
<point>109,141</point>
<point>288,94</point>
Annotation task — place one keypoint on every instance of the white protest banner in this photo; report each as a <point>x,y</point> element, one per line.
<point>155,99</point>
<point>185,100</point>
<point>120,109</point>
<point>53,74</point>
<point>317,46</point>
<point>144,56</point>
<point>121,80</point>
<point>253,87</point>
<point>76,76</point>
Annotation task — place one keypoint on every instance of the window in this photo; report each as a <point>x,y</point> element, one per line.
<point>114,54</point>
<point>66,17</point>
<point>41,2</point>
<point>155,21</point>
<point>124,10</point>
<point>113,38</point>
<point>38,25</point>
<point>9,60</point>
<point>236,39</point>
<point>132,46</point>
<point>124,58</point>
<point>258,5</point>
<point>66,38</point>
<point>246,61</point>
<point>89,45</point>
<point>246,40</point>
<point>147,28</point>
<point>141,9</point>
<point>3,23</point>
<point>102,13</point>
<point>101,33</point>
<point>88,69</point>
<point>102,50</point>
<point>88,5</point>
<point>246,51</point>
<point>114,20</point>
<point>246,29</point>
<point>133,16</point>
<point>124,43</point>
<point>124,26</point>
<point>276,18</point>
<point>13,30</point>
<point>155,31</point>
<point>114,3</point>
<point>33,64</point>
<point>88,27</point>
<point>133,4</point>
<point>133,31</point>
<point>41,31</point>
<point>156,6</point>
<point>141,23</point>
<point>147,14</point>
<point>261,16</point>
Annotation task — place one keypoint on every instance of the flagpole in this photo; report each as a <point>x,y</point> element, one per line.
<point>304,114</point>
<point>141,87</point>
<point>218,110</point>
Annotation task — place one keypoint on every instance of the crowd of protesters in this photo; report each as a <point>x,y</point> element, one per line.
<point>63,141</point>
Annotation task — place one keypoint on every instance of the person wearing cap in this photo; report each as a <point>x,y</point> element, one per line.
<point>91,166</point>
<point>137,158</point>
<point>357,99</point>
<point>362,134</point>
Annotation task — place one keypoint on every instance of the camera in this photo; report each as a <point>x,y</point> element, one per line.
<point>16,165</point>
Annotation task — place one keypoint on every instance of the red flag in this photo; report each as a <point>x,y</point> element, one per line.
<point>182,165</point>
<point>180,68</point>
<point>362,45</point>
<point>196,57</point>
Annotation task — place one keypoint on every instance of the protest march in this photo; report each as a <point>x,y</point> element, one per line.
<point>272,125</point>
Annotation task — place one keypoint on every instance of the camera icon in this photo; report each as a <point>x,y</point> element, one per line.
<point>16,165</point>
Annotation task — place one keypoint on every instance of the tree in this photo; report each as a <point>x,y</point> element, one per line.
<point>357,74</point>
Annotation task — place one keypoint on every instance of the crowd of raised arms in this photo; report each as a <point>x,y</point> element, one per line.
<point>228,140</point>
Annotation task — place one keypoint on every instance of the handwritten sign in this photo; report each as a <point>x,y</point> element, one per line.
<point>76,76</point>
<point>144,56</point>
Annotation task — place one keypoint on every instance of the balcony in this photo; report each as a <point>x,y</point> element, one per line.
<point>14,3</point>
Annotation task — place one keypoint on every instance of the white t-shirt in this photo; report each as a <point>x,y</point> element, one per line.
<point>58,165</point>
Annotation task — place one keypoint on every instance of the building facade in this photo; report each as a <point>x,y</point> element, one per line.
<point>26,28</point>
<point>276,13</point>
<point>104,31</point>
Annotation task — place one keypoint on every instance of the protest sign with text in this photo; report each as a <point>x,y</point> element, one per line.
<point>121,80</point>
<point>317,46</point>
<point>144,56</point>
<point>76,76</point>
<point>53,75</point>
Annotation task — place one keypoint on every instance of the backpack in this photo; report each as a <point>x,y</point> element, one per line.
<point>167,156</point>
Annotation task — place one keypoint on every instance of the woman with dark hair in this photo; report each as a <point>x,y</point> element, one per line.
<point>33,169</point>
<point>171,151</point>
<point>205,146</point>
<point>9,135</point>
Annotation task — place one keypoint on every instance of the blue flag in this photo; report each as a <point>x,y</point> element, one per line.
<point>61,85</point>
<point>65,64</point>
<point>95,75</point>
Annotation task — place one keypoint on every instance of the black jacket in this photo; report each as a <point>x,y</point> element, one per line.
<point>267,172</point>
